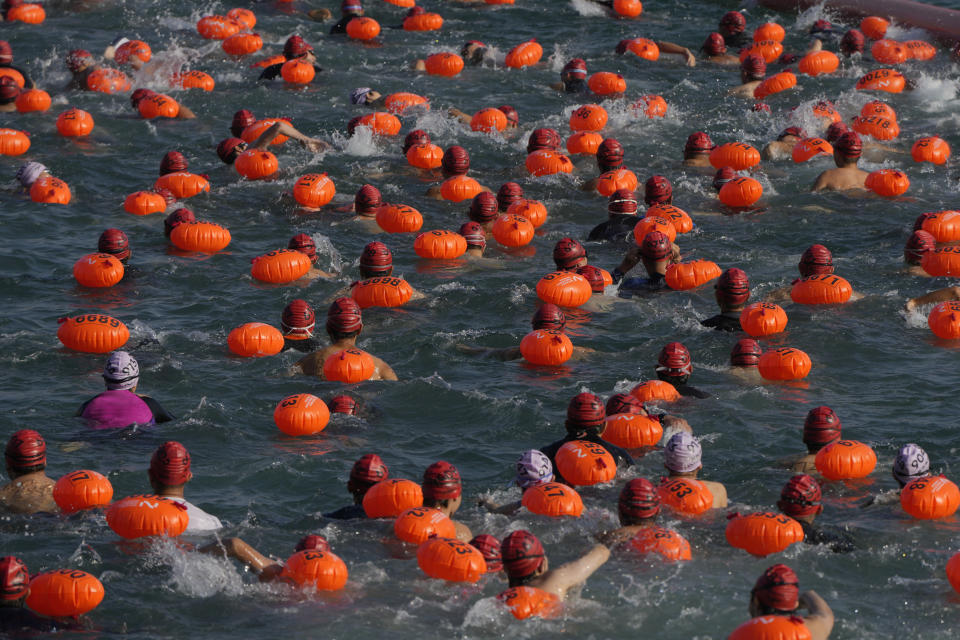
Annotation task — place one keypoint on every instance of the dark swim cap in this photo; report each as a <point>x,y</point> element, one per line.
<point>172,162</point>
<point>344,316</point>
<point>227,149</point>
<point>576,68</point>
<point>722,177</point>
<point>549,316</point>
<point>919,243</point>
<point>366,472</point>
<point>14,579</point>
<point>714,45</point>
<point>441,481</point>
<point>351,7</point>
<point>816,260</point>
<point>746,353</point>
<point>585,411</point>
<point>797,132</point>
<point>489,548</point>
<point>298,319</point>
<point>25,449</point>
<point>639,500</point>
<point>170,464</point>
<point>734,21</point>
<point>522,554</point>
<point>609,154</point>
<point>674,360</point>
<point>368,200</point>
<point>508,193</point>
<point>821,427</point>
<point>594,276</point>
<point>778,588</point>
<point>295,46</point>
<point>624,403</point>
<point>313,542</point>
<point>376,260</point>
<point>800,496</point>
<point>733,286</point>
<point>821,25</point>
<point>241,120</point>
<point>656,246</point>
<point>77,58</point>
<point>415,137</point>
<point>140,94</point>
<point>543,139</point>
<point>754,67</point>
<point>567,252</point>
<point>698,142</point>
<point>510,112</point>
<point>483,207</point>
<point>835,130</point>
<point>456,160</point>
<point>177,217</point>
<point>852,42</point>
<point>9,90</point>
<point>304,244</point>
<point>622,201</point>
<point>343,404</point>
<point>473,233</point>
<point>657,190</point>
<point>114,242</point>
<point>849,145</point>
<point>415,11</point>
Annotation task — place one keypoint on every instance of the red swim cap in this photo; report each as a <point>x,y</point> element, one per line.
<point>489,547</point>
<point>241,120</point>
<point>298,319</point>
<point>800,496</point>
<point>351,6</point>
<point>816,260</point>
<point>522,554</point>
<point>167,195</point>
<point>746,353</point>
<point>754,67</point>
<point>456,161</point>
<point>415,137</point>
<point>509,193</point>
<point>849,145</point>
<point>415,11</point>
<point>510,112</point>
<point>25,449</point>
<point>366,472</point>
<point>734,21</point>
<point>821,25</point>
<point>919,243</point>
<point>367,201</point>
<point>6,52</point>
<point>170,465</point>
<point>722,177</point>
<point>177,217</point>
<point>585,411</point>
<point>343,404</point>
<point>376,260</point>
<point>714,45</point>
<point>9,90</point>
<point>622,201</point>
<point>733,287</point>
<point>638,500</point>
<point>674,360</point>
<point>835,130</point>
<point>543,139</point>
<point>576,68</point>
<point>172,162</point>
<point>114,242</point>
<point>624,403</point>
<point>140,94</point>
<point>821,427</point>
<point>797,132</point>
<point>304,244</point>
<point>344,316</point>
<point>474,235</point>
<point>14,579</point>
<point>483,207</point>
<point>609,154</point>
<point>852,42</point>
<point>228,149</point>
<point>549,316</point>
<point>313,542</point>
<point>760,107</point>
<point>567,253</point>
<point>698,142</point>
<point>78,59</point>
<point>657,190</point>
<point>594,276</point>
<point>656,246</point>
<point>294,47</point>
<point>778,588</point>
<point>441,481</point>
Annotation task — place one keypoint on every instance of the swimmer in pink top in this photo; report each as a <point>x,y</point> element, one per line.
<point>120,406</point>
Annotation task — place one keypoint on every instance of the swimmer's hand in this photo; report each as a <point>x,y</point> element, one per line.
<point>613,538</point>
<point>315,145</point>
<point>911,305</point>
<point>691,59</point>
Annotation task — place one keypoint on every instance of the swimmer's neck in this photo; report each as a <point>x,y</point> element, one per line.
<point>686,474</point>
<point>26,477</point>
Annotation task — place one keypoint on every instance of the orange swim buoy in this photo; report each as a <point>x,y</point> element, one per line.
<point>589,117</point>
<point>425,156</point>
<point>322,570</point>
<point>217,27</point>
<point>349,366</point>
<point>584,143</point>
<point>931,149</point>
<point>769,31</point>
<point>256,164</point>
<point>488,120</point>
<point>83,489</point>
<point>930,498</point>
<point>182,184</point>
<point>877,127</point>
<point>16,76</point>
<point>64,592</point>
<point>819,62</point>
<point>531,602</point>
<point>50,190</point>
<point>451,560</point>
<point>605,83</point>
<point>129,48</point>
<point>74,122</point>
<point>547,162</point>
<point>398,103</point>
<point>738,155</point>
<point>684,276</point>
<point>244,16</point>
<point>459,188</point>
<point>944,320</point>
<point>825,288</point>
<point>444,64</point>
<point>670,545</point>
<point>98,270</point>
<point>642,48</point>
<point>763,533</point>
<point>953,571</point>
<point>888,80</point>
<point>679,218</point>
<point>301,414</point>
<point>775,84</point>
<point>158,105</point>
<point>255,340</point>
<point>825,109</point>
<point>389,498</point>
<point>874,27</point>
<point>200,236</point>
<point>784,363</point>
<point>763,319</point>
<point>440,244</point>
<point>399,218</point>
<point>943,261</point>
<point>772,628</point>
<point>564,289</point>
<point>769,50</point>
<point>314,190</point>
<point>944,226</point>
<point>553,499</point>
<point>92,333</point>
<point>147,515</point>
<point>33,100</point>
<point>143,203</point>
<point>585,463</point>
<point>418,524</point>
<point>845,460</point>
<point>27,13</point>
<point>741,192</point>
<point>381,292</point>
<point>13,142</point>
<point>280,266</point>
<point>512,230</point>
<point>685,495</point>
<point>809,148</point>
<point>524,54</point>
<point>632,431</point>
<point>655,390</point>
<point>652,106</point>
<point>653,223</point>
<point>920,50</point>
<point>546,347</point>
<point>887,51</point>
<point>297,71</point>
<point>423,22</point>
<point>628,8</point>
<point>381,123</point>
<point>532,210</point>
<point>611,181</point>
<point>252,132</point>
<point>889,183</point>
<point>363,28</point>
<point>242,44</point>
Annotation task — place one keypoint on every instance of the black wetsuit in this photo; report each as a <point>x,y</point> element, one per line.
<point>306,346</point>
<point>341,26</point>
<point>690,392</point>
<point>618,227</point>
<point>839,541</point>
<point>739,40</point>
<point>349,512</point>
<point>726,321</point>
<point>620,456</point>
<point>18,622</point>
<point>159,413</point>
<point>631,287</point>
<point>576,85</point>
<point>28,82</point>
<point>273,71</point>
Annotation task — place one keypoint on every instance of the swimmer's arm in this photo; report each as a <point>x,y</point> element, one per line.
<point>669,47</point>
<point>459,115</point>
<point>185,113</point>
<point>386,373</point>
<point>767,153</point>
<point>505,509</point>
<point>557,86</point>
<point>576,572</point>
<point>820,620</point>
<point>615,537</point>
<point>237,548</point>
<point>282,127</point>
<point>419,65</point>
<point>815,46</point>
<point>590,185</point>
<point>630,260</point>
<point>946,294</point>
<point>821,183</point>
<point>463,531</point>
<point>778,295</point>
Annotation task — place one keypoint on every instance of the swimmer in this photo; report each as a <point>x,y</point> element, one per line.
<point>544,139</point>
<point>674,365</point>
<point>526,565</point>
<point>320,15</point>
<point>474,53</point>
<point>681,459</point>
<point>800,499</point>
<point>367,97</point>
<point>852,43</point>
<point>30,172</point>
<point>715,48</point>
<point>573,77</point>
<point>820,428</point>
<point>178,217</point>
<point>366,203</point>
<point>777,593</point>
<point>722,177</point>
<point>172,162</point>
<point>345,404</point>
<point>847,176</point>
<point>745,359</point>
<point>489,548</point>
<point>81,64</point>
<point>586,420</point>
<point>569,255</point>
<point>267,569</point>
<point>548,316</point>
<point>872,151</point>
<point>169,473</point>
<point>507,194</point>
<point>16,621</point>
<point>657,190</point>
<point>782,147</point>
<point>513,118</point>
<point>349,9</point>
<point>29,489</point>
<point>656,252</point>
<point>9,90</point>
<point>815,261</point>
<point>947,294</point>
<point>752,71</point>
<point>120,405</point>
<point>366,472</point>
<point>621,218</point>
<point>297,323</point>
<point>295,47</point>
<point>597,301</point>
<point>344,324</point>
<point>443,490</point>
<point>484,209</point>
<point>241,120</point>
<point>139,95</point>
<point>455,162</point>
<point>533,469</point>
<point>669,48</point>
<point>609,158</point>
<point>6,62</point>
<point>732,27</point>
<point>696,151</point>
<point>116,243</point>
<point>376,261</point>
<point>911,463</point>
<point>731,292</point>
<point>637,507</point>
<point>476,239</point>
<point>626,403</point>
<point>305,245</point>
<point>230,148</point>
<point>919,243</point>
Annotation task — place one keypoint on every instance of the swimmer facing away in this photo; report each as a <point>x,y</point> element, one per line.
<point>169,473</point>
<point>548,316</point>
<point>16,621</point>
<point>820,428</point>
<point>800,499</point>
<point>777,593</point>
<point>120,405</point>
<point>533,469</point>
<point>637,507</point>
<point>911,463</point>
<point>682,459</point>
<point>366,472</point>
<point>443,490</point>
<point>847,176</point>
<point>674,365</point>
<point>29,489</point>
<point>731,292</point>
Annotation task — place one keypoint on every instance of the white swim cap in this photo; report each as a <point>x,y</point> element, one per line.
<point>533,468</point>
<point>28,173</point>
<point>121,371</point>
<point>682,453</point>
<point>912,462</point>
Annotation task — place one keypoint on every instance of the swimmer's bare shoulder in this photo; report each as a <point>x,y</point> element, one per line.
<point>312,363</point>
<point>28,497</point>
<point>719,493</point>
<point>820,619</point>
<point>382,370</point>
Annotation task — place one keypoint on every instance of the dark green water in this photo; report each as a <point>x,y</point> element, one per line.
<point>882,370</point>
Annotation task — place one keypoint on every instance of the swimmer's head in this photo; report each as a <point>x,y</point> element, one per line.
<point>656,246</point>
<point>241,120</point>
<point>568,254</point>
<point>483,207</point>
<point>415,137</point>
<point>732,288</point>
<point>359,95</point>
<point>792,132</point>
<point>176,218</point>
<point>78,60</point>
<point>820,26</point>
<point>800,497</point>
<point>140,95</point>
<point>441,481</point>
<point>351,8</point>
<point>26,452</point>
<point>624,403</point>
<point>638,502</point>
<point>473,233</point>
<point>305,245</point>
<point>714,45</point>
<point>575,69</point>
<point>776,591</point>
<point>753,68</point>
<point>683,453</point>
<point>674,363</point>
<point>543,139</point>
<point>472,51</point>
<point>295,47</point>
<point>167,195</point>
<point>549,316</point>
<point>14,580</point>
<point>622,201</point>
<point>533,468</point>
<point>230,148</point>
<point>912,462</point>
<point>820,428</point>
<point>698,144</point>
<point>489,548</point>
<point>29,172</point>
<point>508,193</point>
<point>852,42</point>
<point>367,201</point>
<point>298,319</point>
<point>172,162</point>
<point>657,190</point>
<point>116,243</point>
<point>760,107</point>
<point>366,472</point>
<point>722,177</point>
<point>816,260</point>
<point>919,243</point>
<point>9,90</point>
<point>522,555</point>
<point>609,154</point>
<point>344,319</point>
<point>746,353</point>
<point>586,413</point>
<point>376,260</point>
<point>733,22</point>
<point>835,130</point>
<point>170,465</point>
<point>456,161</point>
<point>345,404</point>
<point>848,146</point>
<point>415,11</point>
<point>594,276</point>
<point>6,52</point>
<point>121,372</point>
<point>513,118</point>
<point>313,542</point>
